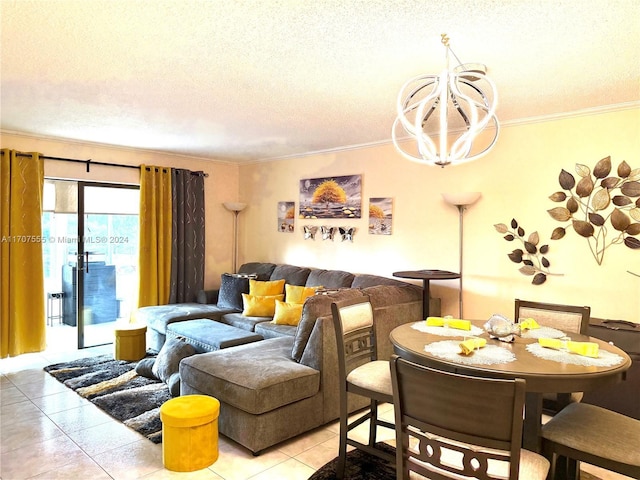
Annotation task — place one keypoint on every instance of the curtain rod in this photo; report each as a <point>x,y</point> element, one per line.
<point>90,162</point>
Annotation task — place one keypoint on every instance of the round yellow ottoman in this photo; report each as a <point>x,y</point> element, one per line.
<point>189,432</point>
<point>130,342</point>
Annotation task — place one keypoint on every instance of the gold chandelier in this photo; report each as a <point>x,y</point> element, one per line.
<point>458,103</point>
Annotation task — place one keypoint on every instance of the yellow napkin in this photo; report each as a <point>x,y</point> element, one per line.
<point>529,324</point>
<point>586,349</point>
<point>452,322</point>
<point>468,346</point>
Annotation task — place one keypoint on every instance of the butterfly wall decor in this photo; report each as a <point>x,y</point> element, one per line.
<point>310,232</point>
<point>347,233</point>
<point>327,232</point>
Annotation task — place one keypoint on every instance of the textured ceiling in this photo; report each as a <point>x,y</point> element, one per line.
<point>251,80</point>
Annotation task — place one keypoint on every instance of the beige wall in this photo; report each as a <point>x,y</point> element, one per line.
<point>220,186</point>
<point>515,179</point>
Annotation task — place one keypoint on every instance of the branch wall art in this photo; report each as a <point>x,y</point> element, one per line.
<point>602,207</point>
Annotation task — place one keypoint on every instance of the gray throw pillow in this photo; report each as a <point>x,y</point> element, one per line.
<point>231,289</point>
<point>174,385</point>
<point>144,368</point>
<point>169,357</point>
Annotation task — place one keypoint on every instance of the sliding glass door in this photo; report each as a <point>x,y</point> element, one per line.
<point>91,258</point>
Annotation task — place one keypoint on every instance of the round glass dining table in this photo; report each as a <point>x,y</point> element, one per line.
<point>557,372</point>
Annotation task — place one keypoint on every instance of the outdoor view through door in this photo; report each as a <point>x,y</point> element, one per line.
<point>90,260</point>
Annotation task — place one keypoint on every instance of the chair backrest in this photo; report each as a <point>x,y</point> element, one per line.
<point>449,424</point>
<point>355,333</point>
<point>568,318</point>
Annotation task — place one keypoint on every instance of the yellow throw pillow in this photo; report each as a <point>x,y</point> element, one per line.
<point>298,294</point>
<point>273,287</point>
<point>260,305</point>
<point>287,313</point>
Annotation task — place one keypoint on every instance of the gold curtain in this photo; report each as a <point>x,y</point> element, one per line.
<point>155,236</point>
<point>22,315</point>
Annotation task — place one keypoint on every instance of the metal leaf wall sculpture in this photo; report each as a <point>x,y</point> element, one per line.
<point>532,257</point>
<point>599,204</point>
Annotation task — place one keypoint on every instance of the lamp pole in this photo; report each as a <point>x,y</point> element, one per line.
<point>461,209</point>
<point>461,201</point>
<point>235,240</point>
<point>236,208</point>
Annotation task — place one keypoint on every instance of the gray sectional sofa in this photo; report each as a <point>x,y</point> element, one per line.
<point>273,389</point>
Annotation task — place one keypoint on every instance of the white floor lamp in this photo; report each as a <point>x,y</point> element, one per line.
<point>461,200</point>
<point>236,208</point>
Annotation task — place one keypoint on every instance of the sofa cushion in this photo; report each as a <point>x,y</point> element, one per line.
<point>231,289</point>
<point>291,274</point>
<point>261,269</point>
<point>255,378</point>
<point>271,330</point>
<point>329,278</point>
<point>237,319</point>
<point>266,287</point>
<point>315,307</point>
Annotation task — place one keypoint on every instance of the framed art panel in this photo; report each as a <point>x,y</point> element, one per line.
<point>380,216</point>
<point>286,216</point>
<point>331,197</point>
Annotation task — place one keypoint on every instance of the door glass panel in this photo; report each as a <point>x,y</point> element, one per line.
<point>111,248</point>
<point>109,245</point>
<point>60,244</point>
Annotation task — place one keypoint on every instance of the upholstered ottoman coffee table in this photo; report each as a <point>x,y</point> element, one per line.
<point>208,335</point>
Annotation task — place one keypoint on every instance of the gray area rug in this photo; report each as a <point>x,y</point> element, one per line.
<point>114,387</point>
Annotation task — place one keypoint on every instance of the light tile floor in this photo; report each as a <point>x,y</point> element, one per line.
<point>49,432</point>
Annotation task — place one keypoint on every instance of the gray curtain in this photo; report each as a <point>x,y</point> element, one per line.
<point>187,252</point>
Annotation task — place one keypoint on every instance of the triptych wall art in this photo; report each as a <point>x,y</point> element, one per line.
<point>338,197</point>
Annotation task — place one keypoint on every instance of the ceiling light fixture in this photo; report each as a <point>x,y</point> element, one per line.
<point>466,93</point>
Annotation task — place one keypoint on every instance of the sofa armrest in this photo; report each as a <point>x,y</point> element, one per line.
<point>208,296</point>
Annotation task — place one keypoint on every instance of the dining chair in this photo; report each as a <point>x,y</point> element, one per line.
<point>567,318</point>
<point>360,373</point>
<point>591,434</point>
<point>450,425</point>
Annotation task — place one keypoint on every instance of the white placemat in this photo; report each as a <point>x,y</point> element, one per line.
<point>448,331</point>
<point>605,359</point>
<point>543,332</point>
<point>487,355</point>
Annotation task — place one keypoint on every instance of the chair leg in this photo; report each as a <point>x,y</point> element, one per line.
<point>373,423</point>
<point>573,469</point>
<point>551,475</point>
<point>564,468</point>
<point>342,448</point>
